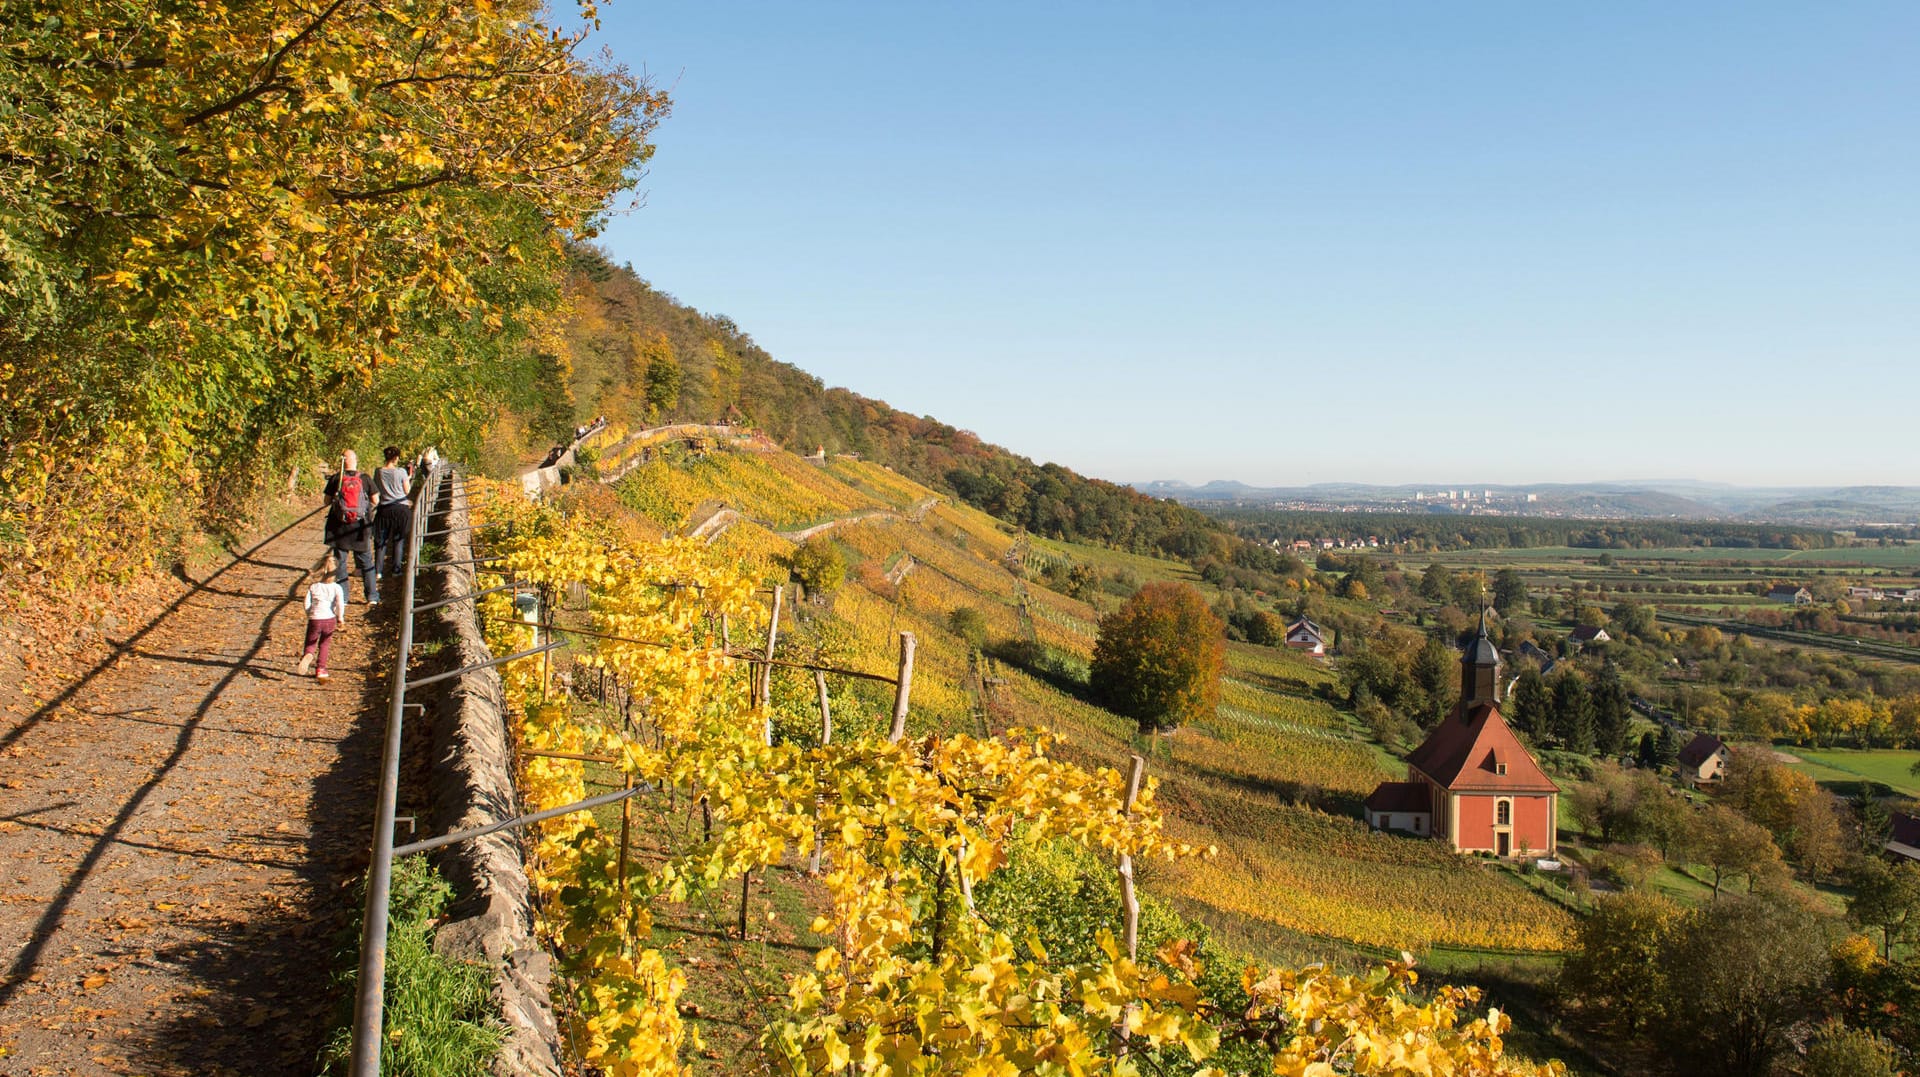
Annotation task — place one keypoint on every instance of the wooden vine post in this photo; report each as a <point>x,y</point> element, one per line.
<point>826,738</point>
<point>903,691</point>
<point>1129,901</point>
<point>766,668</point>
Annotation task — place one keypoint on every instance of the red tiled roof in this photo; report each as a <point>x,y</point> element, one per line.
<point>1400,797</point>
<point>1700,749</point>
<point>1465,752</point>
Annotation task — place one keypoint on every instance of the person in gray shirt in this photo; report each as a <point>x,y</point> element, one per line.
<point>393,520</point>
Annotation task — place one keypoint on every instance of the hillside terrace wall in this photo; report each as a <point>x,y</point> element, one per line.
<point>472,784</point>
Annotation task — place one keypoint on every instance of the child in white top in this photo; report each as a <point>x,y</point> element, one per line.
<point>326,613</point>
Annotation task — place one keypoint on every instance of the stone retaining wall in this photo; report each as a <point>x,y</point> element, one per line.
<point>472,784</point>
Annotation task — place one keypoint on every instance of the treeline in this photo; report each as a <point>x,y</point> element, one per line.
<point>236,241</point>
<point>1442,532</point>
<point>640,354</point>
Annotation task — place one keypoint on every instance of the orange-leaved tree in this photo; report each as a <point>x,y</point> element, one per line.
<point>1159,657</point>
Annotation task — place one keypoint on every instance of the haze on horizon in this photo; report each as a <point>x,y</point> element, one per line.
<point>1293,244</point>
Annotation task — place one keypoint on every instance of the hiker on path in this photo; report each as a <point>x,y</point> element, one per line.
<point>326,614</point>
<point>350,525</point>
<point>393,519</point>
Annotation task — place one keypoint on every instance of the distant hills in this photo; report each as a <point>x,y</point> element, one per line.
<point>1822,506</point>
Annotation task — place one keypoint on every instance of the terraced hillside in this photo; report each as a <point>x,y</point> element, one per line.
<point>1274,780</point>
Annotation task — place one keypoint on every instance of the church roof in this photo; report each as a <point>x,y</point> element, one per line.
<point>1466,751</point>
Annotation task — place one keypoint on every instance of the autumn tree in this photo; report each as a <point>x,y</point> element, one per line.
<point>1159,657</point>
<point>1615,965</point>
<point>1740,974</point>
<point>230,231</point>
<point>1886,897</point>
<point>817,564</point>
<point>1839,1051</point>
<point>663,378</point>
<point>1731,846</point>
<point>969,624</point>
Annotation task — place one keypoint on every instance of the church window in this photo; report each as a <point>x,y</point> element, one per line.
<point>1503,813</point>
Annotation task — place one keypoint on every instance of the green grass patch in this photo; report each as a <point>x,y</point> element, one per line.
<point>439,1016</point>
<point>1843,769</point>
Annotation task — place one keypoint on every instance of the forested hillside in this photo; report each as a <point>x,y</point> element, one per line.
<point>638,353</point>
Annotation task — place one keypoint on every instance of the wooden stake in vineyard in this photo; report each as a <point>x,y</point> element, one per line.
<point>766,670</point>
<point>826,738</point>
<point>1129,902</point>
<point>903,689</point>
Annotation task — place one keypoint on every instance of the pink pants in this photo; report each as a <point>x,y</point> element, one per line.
<point>320,635</point>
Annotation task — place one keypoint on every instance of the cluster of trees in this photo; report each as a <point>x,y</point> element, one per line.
<point>1728,987</point>
<point>235,239</point>
<point>1419,532</point>
<point>1575,711</point>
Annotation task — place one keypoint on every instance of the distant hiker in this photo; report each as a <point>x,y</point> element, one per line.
<point>350,525</point>
<point>393,519</point>
<point>326,613</point>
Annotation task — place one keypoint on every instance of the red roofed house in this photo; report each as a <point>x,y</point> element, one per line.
<point>1473,784</point>
<point>1704,759</point>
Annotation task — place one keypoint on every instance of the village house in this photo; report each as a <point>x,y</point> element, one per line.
<point>1704,759</point>
<point>1866,594</point>
<point>1589,634</point>
<point>1903,836</point>
<point>1788,593</point>
<point>1304,635</point>
<point>1472,783</point>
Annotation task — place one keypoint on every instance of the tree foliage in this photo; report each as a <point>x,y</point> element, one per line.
<point>230,230</point>
<point>1159,657</point>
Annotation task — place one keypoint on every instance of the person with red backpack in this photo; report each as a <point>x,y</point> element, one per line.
<point>350,525</point>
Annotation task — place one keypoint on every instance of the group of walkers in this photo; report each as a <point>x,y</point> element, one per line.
<point>369,519</point>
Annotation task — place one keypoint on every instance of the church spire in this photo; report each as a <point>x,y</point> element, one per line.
<point>1479,670</point>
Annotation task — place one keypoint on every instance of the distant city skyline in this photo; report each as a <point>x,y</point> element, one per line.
<point>1290,244</point>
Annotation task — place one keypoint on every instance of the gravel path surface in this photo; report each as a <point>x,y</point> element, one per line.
<point>179,828</point>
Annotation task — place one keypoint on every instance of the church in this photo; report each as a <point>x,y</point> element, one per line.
<point>1472,783</point>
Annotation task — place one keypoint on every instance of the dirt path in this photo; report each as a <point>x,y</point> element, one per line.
<point>177,829</point>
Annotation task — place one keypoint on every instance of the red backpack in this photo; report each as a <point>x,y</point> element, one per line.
<point>350,499</point>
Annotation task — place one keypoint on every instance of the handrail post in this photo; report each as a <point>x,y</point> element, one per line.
<point>370,1001</point>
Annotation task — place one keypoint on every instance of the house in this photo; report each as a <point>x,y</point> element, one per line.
<point>1704,759</point>
<point>1589,634</point>
<point>1304,635</point>
<point>1530,650</point>
<point>1866,594</point>
<point>1903,837</point>
<point>1472,783</point>
<point>1797,596</point>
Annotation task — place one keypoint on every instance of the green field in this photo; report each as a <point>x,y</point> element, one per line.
<point>1846,768</point>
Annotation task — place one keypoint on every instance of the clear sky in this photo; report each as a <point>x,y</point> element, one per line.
<point>1293,243</point>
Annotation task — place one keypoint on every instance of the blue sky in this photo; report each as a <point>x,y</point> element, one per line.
<point>1479,242</point>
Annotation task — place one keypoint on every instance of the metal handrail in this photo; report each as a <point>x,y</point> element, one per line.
<point>371,998</point>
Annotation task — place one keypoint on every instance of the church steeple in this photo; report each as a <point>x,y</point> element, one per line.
<point>1479,670</point>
